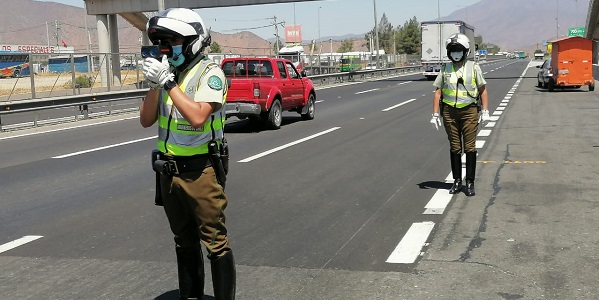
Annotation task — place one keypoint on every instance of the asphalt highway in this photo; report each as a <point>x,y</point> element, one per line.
<point>344,206</point>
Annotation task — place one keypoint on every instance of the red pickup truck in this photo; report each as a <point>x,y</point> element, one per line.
<point>261,88</point>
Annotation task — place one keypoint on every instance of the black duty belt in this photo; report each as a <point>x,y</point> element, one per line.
<point>175,165</point>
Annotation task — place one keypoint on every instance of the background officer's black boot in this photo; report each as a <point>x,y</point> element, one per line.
<point>223,276</point>
<point>190,269</point>
<point>470,173</point>
<point>456,171</point>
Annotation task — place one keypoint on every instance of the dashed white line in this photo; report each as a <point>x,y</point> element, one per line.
<point>18,242</point>
<point>367,91</point>
<point>409,247</point>
<point>438,203</point>
<point>398,105</point>
<point>287,145</point>
<point>484,132</point>
<point>104,147</point>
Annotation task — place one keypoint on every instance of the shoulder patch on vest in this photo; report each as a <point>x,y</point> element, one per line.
<point>215,83</point>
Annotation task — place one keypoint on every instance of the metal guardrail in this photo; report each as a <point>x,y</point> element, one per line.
<point>84,100</point>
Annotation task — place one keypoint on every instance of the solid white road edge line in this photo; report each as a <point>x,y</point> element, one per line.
<point>18,242</point>
<point>287,145</point>
<point>105,147</point>
<point>398,105</point>
<point>409,247</point>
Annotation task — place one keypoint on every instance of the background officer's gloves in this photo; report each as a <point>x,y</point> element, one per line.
<point>484,117</point>
<point>436,121</point>
<point>157,72</point>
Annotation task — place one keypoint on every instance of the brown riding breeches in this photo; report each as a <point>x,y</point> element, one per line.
<point>461,124</point>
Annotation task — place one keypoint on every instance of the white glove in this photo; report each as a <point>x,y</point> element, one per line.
<point>484,117</point>
<point>436,121</point>
<point>157,72</point>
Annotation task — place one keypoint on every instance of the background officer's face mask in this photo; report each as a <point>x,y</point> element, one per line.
<point>177,58</point>
<point>456,56</point>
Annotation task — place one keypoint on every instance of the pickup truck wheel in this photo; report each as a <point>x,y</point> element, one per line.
<point>275,115</point>
<point>539,83</point>
<point>551,85</point>
<point>311,108</point>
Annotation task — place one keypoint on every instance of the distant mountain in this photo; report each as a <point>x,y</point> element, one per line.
<point>522,24</point>
<point>29,22</point>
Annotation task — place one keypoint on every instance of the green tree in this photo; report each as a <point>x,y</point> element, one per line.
<point>408,37</point>
<point>215,48</point>
<point>386,33</point>
<point>346,46</point>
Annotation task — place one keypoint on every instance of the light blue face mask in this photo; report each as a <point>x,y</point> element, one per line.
<point>178,57</point>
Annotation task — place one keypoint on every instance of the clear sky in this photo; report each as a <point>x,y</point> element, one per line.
<point>336,17</point>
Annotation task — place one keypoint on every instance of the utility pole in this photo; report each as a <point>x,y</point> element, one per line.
<point>376,31</point>
<point>276,35</point>
<point>56,33</point>
<point>160,5</point>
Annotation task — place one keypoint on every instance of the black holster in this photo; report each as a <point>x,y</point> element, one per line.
<point>217,163</point>
<point>158,196</point>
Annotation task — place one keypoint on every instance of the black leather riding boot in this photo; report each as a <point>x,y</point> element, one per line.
<point>456,171</point>
<point>190,269</point>
<point>470,173</point>
<point>223,276</point>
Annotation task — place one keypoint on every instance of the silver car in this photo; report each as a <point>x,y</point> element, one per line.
<point>545,73</point>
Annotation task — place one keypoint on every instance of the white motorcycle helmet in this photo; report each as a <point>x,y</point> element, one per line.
<point>174,23</point>
<point>458,47</point>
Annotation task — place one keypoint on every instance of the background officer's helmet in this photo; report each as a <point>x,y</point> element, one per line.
<point>458,42</point>
<point>174,23</point>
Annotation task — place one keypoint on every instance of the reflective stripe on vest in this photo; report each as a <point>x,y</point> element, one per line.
<point>451,88</point>
<point>181,139</point>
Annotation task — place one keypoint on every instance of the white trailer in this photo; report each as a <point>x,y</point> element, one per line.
<point>434,34</point>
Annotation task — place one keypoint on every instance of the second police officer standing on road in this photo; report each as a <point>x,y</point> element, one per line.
<point>460,86</point>
<point>187,98</point>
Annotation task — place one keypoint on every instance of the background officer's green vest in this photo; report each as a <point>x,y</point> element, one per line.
<point>175,135</point>
<point>451,88</point>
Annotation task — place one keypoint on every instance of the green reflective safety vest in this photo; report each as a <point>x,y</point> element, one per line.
<point>454,94</point>
<point>175,135</point>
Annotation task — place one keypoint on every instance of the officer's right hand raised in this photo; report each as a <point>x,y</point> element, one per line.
<point>436,121</point>
<point>156,72</point>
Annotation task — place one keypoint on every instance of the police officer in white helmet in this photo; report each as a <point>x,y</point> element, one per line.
<point>187,97</point>
<point>460,94</point>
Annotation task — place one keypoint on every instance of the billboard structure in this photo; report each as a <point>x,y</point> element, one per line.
<point>293,34</point>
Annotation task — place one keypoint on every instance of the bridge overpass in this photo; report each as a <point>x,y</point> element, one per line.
<point>136,12</point>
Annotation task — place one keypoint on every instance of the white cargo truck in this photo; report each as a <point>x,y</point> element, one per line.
<point>433,37</point>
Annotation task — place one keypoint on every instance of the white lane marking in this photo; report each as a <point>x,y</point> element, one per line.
<point>501,108</point>
<point>497,113</point>
<point>409,247</point>
<point>485,132</point>
<point>398,105</point>
<point>404,82</point>
<point>18,242</point>
<point>491,124</point>
<point>287,145</point>
<point>494,118</point>
<point>437,204</point>
<point>479,144</point>
<point>366,91</point>
<point>502,104</point>
<point>318,101</point>
<point>105,147</point>
<point>68,128</point>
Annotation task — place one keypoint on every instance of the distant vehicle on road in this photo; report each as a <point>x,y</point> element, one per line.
<point>262,88</point>
<point>539,54</point>
<point>14,64</point>
<point>349,63</point>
